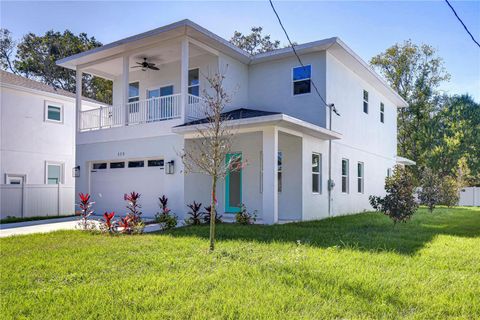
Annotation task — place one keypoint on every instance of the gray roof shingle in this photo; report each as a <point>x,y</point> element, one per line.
<point>236,114</point>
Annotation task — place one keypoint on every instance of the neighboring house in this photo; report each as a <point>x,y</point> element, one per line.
<point>280,124</point>
<point>37,147</point>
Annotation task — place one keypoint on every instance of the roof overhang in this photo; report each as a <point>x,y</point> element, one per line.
<point>288,123</point>
<point>405,161</point>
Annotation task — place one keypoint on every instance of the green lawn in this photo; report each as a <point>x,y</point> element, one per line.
<point>346,267</point>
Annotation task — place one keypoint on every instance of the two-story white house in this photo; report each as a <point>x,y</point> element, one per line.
<point>37,147</point>
<point>282,126</point>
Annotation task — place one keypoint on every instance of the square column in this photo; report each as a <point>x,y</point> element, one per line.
<point>270,181</point>
<point>184,78</point>
<point>125,87</point>
<point>78,99</point>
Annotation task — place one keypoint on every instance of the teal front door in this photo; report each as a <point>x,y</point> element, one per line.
<point>233,183</point>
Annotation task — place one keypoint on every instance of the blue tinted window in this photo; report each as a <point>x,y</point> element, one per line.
<point>300,73</point>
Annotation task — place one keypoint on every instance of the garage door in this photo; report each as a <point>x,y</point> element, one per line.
<point>111,180</point>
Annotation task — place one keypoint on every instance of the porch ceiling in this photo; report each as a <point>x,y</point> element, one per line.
<point>160,55</point>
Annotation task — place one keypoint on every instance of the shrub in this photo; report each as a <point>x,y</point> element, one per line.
<point>194,213</point>
<point>429,193</point>
<point>399,203</point>
<point>86,211</point>
<point>449,192</point>
<point>108,224</point>
<point>132,223</point>
<point>207,215</point>
<point>165,218</point>
<point>244,217</point>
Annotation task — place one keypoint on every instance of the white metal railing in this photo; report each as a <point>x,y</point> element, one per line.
<point>195,108</point>
<point>142,111</point>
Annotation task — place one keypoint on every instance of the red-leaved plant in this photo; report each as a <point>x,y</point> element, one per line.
<point>195,214</point>
<point>165,218</point>
<point>133,206</point>
<point>109,222</point>
<point>86,211</point>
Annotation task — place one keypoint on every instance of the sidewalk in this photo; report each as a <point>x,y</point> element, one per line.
<point>43,226</point>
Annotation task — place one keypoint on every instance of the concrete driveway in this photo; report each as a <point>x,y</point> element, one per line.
<point>43,226</point>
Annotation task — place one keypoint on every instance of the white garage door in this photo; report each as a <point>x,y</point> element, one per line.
<point>110,181</point>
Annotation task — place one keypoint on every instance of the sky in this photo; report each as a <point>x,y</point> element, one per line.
<point>368,27</point>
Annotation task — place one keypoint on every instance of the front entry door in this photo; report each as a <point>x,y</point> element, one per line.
<point>159,109</point>
<point>233,183</point>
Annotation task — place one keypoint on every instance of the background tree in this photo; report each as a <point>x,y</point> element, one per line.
<point>429,193</point>
<point>415,72</point>
<point>36,58</point>
<point>207,154</point>
<point>7,48</point>
<point>255,42</point>
<point>449,192</point>
<point>399,203</point>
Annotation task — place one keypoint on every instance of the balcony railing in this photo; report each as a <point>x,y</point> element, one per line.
<point>142,111</point>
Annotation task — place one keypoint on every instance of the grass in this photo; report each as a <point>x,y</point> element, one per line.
<point>10,219</point>
<point>352,267</point>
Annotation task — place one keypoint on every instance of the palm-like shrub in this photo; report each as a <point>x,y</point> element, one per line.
<point>208,213</point>
<point>195,216</point>
<point>86,211</point>
<point>165,218</point>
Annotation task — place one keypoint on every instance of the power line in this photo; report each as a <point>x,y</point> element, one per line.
<point>298,57</point>
<point>463,24</point>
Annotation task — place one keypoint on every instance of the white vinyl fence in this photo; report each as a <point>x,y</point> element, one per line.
<point>469,196</point>
<point>29,200</point>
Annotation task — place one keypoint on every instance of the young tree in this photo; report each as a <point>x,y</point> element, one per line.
<point>449,192</point>
<point>207,153</point>
<point>399,203</point>
<point>255,42</point>
<point>429,193</point>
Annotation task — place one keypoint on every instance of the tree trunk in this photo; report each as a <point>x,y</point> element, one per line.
<point>213,216</point>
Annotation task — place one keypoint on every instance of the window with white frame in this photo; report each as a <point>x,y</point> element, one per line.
<point>261,172</point>
<point>194,82</point>
<point>360,177</point>
<point>382,112</point>
<point>345,176</point>
<point>316,173</point>
<point>15,179</point>
<point>389,172</point>
<point>302,77</point>
<point>53,112</point>
<point>365,101</point>
<point>54,173</point>
<point>279,170</point>
<point>134,96</point>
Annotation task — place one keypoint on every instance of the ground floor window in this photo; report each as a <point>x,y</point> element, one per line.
<point>54,173</point>
<point>279,170</point>
<point>360,177</point>
<point>316,173</point>
<point>345,175</point>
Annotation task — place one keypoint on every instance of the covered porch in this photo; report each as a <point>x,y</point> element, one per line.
<point>286,168</point>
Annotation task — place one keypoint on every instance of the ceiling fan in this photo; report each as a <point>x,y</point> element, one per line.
<point>145,65</point>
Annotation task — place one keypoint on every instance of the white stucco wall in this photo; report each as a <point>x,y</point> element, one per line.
<point>271,88</point>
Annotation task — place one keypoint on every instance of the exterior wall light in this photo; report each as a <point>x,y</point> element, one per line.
<point>76,172</point>
<point>170,167</point>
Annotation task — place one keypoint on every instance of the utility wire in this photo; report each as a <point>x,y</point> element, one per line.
<point>300,60</point>
<point>463,24</point>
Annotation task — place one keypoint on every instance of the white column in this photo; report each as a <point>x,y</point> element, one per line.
<point>125,87</point>
<point>78,99</point>
<point>270,182</point>
<point>184,78</point>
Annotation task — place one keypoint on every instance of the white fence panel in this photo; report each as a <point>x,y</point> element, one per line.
<point>36,200</point>
<point>470,196</point>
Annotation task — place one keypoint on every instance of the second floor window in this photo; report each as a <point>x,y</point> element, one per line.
<point>53,112</point>
<point>193,82</point>
<point>365,101</point>
<point>302,77</point>
<point>382,112</point>
<point>133,92</point>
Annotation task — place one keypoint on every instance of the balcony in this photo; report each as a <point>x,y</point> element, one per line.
<point>143,112</point>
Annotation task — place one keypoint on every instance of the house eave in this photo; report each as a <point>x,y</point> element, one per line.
<point>279,120</point>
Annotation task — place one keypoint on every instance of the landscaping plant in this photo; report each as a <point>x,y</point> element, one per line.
<point>132,223</point>
<point>108,224</point>
<point>194,213</point>
<point>429,193</point>
<point>399,203</point>
<point>86,211</point>
<point>244,217</point>
<point>165,218</point>
<point>449,192</point>
<point>208,213</point>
